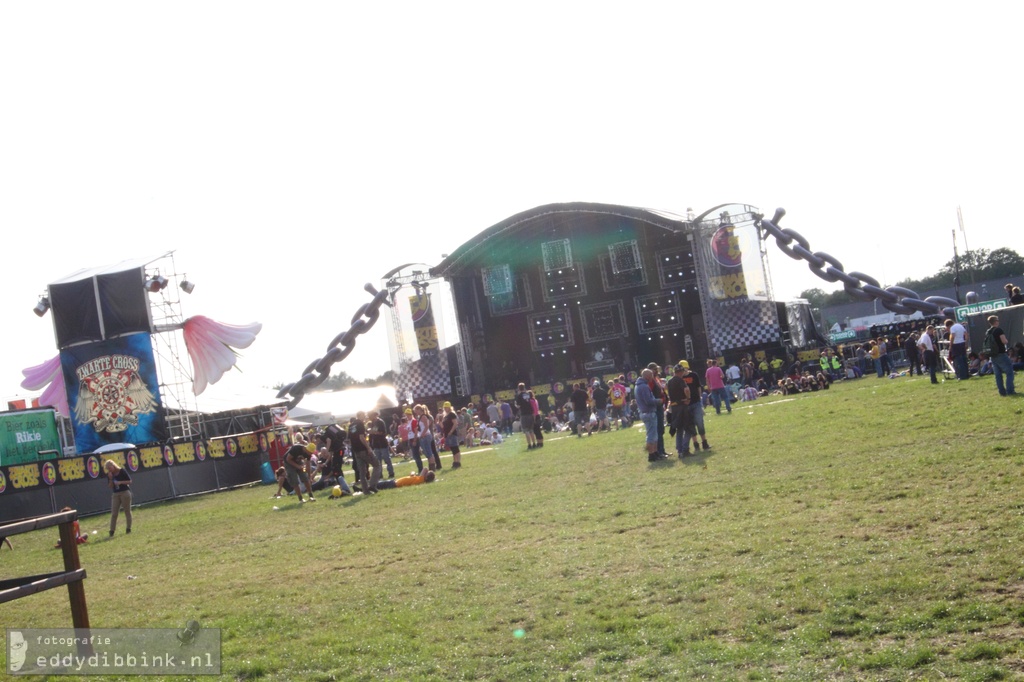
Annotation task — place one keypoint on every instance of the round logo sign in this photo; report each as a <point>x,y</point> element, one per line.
<point>49,473</point>
<point>132,460</point>
<point>725,247</point>
<point>264,444</point>
<point>557,387</point>
<point>169,455</point>
<point>201,451</point>
<point>232,447</point>
<point>3,482</point>
<point>92,466</point>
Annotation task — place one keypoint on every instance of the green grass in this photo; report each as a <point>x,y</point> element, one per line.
<point>870,532</point>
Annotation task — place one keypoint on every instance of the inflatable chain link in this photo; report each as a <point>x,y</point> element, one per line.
<point>858,285</point>
<point>338,349</point>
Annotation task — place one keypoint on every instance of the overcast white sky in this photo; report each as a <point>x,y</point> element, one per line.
<point>291,152</point>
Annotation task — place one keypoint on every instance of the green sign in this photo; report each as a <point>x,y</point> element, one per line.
<point>962,311</point>
<point>24,435</point>
<point>844,335</point>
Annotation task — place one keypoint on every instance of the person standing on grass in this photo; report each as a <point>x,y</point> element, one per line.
<point>494,414</point>
<point>297,471</point>
<point>733,374</point>
<point>450,431</point>
<point>648,406</point>
<point>876,357</point>
<point>679,408</point>
<point>657,385</point>
<point>883,355</point>
<point>506,417</point>
<point>525,410</point>
<point>580,415</point>
<point>430,436</point>
<point>617,395</point>
<point>378,432</point>
<point>958,348</point>
<point>600,397</point>
<point>465,426</point>
<point>715,379</point>
<point>913,356</point>
<point>695,406</point>
<point>363,459</point>
<point>926,345</point>
<point>120,483</point>
<point>995,346</point>
<point>538,432</point>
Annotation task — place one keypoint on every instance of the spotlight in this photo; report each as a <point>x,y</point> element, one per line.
<point>187,286</point>
<point>42,306</point>
<point>155,284</point>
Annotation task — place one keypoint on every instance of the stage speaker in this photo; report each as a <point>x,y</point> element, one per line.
<point>95,305</point>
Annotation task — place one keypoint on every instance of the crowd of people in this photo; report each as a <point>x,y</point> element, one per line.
<point>371,446</point>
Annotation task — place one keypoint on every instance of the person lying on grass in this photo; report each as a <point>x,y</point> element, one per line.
<point>425,476</point>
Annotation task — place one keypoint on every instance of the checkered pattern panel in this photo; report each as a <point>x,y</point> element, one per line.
<point>425,377</point>
<point>742,323</point>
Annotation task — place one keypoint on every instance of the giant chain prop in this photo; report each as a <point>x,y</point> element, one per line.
<point>858,285</point>
<point>338,349</point>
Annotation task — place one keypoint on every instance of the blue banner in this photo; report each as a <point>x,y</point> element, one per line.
<point>113,392</point>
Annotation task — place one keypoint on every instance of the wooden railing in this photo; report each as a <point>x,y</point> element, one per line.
<point>72,575</point>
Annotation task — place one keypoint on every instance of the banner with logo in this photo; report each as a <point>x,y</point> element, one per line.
<point>113,392</point>
<point>423,325</point>
<point>736,271</point>
<point>738,313</point>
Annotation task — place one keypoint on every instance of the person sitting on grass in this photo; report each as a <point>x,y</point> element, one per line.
<point>985,366</point>
<point>330,474</point>
<point>1017,355</point>
<point>491,435</point>
<point>425,476</point>
<point>788,387</point>
<point>79,537</point>
<point>282,482</point>
<point>973,362</point>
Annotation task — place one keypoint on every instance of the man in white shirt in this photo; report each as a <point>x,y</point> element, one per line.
<point>958,348</point>
<point>927,348</point>
<point>733,374</point>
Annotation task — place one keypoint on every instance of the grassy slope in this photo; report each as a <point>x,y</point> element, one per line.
<point>868,532</point>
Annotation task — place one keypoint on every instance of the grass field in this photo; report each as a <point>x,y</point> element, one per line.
<point>869,532</point>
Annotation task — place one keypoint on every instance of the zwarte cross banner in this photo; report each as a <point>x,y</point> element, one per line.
<point>113,392</point>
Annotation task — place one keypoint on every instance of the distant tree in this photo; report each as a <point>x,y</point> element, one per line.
<point>342,380</point>
<point>816,297</point>
<point>979,264</point>
<point>337,382</point>
<point>1004,263</point>
<point>387,377</point>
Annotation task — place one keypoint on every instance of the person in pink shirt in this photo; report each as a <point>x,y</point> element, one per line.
<point>714,377</point>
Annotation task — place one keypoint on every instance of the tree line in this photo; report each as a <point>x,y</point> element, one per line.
<point>978,265</point>
<point>342,380</point>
